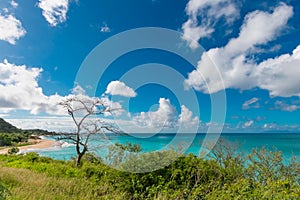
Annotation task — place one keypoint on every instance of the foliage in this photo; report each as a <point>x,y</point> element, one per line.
<point>265,166</point>
<point>8,139</point>
<point>226,175</point>
<point>13,150</point>
<point>10,135</point>
<point>6,127</point>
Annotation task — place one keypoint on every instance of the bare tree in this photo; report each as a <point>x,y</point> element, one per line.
<point>84,111</point>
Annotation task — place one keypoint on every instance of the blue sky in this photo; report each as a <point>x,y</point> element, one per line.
<point>254,46</point>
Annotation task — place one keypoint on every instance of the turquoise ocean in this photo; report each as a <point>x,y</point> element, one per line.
<point>287,143</point>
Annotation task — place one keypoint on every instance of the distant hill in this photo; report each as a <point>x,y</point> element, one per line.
<point>39,132</point>
<point>6,127</point>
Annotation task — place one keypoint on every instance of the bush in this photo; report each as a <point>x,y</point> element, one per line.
<point>8,139</point>
<point>13,150</point>
<point>268,165</point>
<point>226,175</point>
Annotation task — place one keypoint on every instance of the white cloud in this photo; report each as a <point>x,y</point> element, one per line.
<point>286,107</point>
<point>192,33</point>
<point>248,123</point>
<point>278,75</point>
<point>187,119</point>
<point>5,10</point>
<point>59,124</point>
<point>14,4</point>
<point>18,85</point>
<point>250,104</point>
<point>210,12</point>
<point>54,11</point>
<point>165,116</point>
<point>19,89</point>
<point>115,108</point>
<point>11,29</point>
<point>259,28</point>
<point>270,126</point>
<point>273,127</point>
<point>105,29</point>
<point>78,90</point>
<point>120,88</point>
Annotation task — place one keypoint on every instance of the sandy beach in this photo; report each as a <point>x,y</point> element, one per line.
<point>37,144</point>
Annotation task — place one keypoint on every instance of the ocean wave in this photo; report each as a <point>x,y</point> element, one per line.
<point>62,144</point>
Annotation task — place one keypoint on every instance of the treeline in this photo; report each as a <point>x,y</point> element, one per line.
<point>225,175</point>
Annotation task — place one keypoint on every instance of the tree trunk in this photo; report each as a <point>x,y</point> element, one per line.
<point>78,161</point>
<point>79,155</point>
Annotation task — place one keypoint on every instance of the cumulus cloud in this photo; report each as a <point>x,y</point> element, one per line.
<point>187,119</point>
<point>165,116</point>
<point>278,75</point>
<point>17,82</point>
<point>120,88</point>
<point>251,103</point>
<point>19,89</point>
<point>209,12</point>
<point>54,11</point>
<point>11,29</point>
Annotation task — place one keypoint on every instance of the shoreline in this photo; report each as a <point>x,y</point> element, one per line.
<point>38,144</point>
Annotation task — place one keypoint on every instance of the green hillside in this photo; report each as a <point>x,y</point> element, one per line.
<point>223,177</point>
<point>6,127</point>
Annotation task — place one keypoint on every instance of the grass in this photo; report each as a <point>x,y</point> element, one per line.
<point>225,176</point>
<point>25,184</point>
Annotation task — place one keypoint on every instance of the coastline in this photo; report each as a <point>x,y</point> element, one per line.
<point>37,144</point>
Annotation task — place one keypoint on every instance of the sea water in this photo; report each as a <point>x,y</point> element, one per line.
<point>287,143</point>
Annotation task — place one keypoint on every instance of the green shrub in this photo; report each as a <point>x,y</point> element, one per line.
<point>8,139</point>
<point>13,150</point>
<point>226,175</point>
<point>268,165</point>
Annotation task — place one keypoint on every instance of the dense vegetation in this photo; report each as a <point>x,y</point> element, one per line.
<point>227,175</point>
<point>11,135</point>
<point>6,127</point>
<point>9,139</point>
